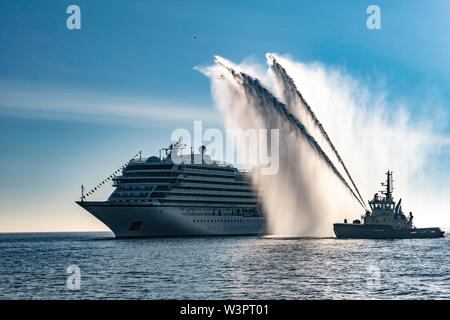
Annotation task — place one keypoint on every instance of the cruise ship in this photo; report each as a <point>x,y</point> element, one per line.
<point>179,195</point>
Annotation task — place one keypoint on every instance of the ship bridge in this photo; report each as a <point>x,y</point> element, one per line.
<point>385,210</point>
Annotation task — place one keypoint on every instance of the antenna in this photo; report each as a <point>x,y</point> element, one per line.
<point>82,193</point>
<point>165,150</point>
<point>202,150</point>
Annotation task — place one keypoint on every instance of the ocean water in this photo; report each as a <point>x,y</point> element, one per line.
<point>33,266</point>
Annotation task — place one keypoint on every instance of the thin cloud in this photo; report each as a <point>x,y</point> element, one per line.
<point>55,103</point>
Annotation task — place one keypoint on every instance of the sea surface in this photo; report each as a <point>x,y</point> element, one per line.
<point>34,266</point>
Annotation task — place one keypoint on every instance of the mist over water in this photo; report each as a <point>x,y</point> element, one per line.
<point>306,197</point>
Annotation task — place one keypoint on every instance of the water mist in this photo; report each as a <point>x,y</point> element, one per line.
<point>305,197</point>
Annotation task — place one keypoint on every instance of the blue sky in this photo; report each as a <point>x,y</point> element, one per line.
<point>66,96</point>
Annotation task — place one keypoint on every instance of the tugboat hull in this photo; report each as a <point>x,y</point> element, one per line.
<point>364,231</point>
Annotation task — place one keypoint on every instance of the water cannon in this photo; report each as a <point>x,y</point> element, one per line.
<point>270,59</point>
<point>225,64</point>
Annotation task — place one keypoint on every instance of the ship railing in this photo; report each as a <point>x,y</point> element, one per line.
<point>214,163</point>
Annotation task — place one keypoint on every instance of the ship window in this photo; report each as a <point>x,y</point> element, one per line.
<point>135,225</point>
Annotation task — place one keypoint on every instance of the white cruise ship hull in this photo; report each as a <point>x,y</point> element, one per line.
<point>140,220</point>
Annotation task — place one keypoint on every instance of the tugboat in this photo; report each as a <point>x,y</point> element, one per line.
<point>386,221</point>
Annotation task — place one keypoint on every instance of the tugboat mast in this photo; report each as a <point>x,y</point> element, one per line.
<point>389,186</point>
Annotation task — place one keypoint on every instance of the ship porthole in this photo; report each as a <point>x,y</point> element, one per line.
<point>135,226</point>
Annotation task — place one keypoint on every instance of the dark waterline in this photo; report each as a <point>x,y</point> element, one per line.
<point>33,266</point>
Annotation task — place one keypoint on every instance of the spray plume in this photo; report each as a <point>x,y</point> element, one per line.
<point>293,97</point>
<point>263,97</point>
<point>304,198</point>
